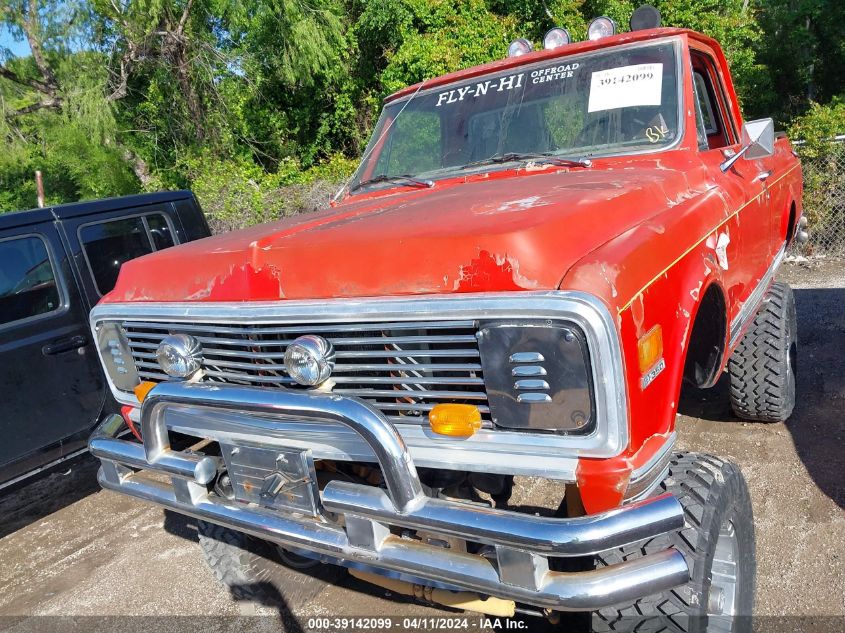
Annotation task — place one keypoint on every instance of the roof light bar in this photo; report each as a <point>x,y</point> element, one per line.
<point>520,47</point>
<point>601,27</point>
<point>555,38</point>
<point>645,17</point>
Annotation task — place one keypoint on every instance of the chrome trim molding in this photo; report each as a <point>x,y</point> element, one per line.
<point>755,299</point>
<point>489,449</point>
<point>645,479</point>
<point>364,537</point>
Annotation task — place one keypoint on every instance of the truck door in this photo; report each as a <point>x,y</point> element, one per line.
<point>50,379</point>
<point>747,233</point>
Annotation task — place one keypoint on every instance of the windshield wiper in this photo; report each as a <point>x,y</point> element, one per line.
<point>509,157</point>
<point>402,179</point>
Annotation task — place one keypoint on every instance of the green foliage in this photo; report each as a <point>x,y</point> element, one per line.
<point>73,147</point>
<point>237,192</point>
<point>823,165</point>
<point>818,126</point>
<point>258,104</point>
<point>803,54</point>
<point>446,36</point>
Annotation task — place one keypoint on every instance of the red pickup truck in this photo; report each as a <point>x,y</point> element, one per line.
<point>533,259</point>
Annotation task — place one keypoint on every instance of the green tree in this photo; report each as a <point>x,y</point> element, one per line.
<point>52,115</point>
<point>803,50</point>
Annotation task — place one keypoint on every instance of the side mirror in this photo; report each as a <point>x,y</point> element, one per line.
<point>758,141</point>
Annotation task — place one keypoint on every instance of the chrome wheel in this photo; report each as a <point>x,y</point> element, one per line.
<point>722,600</point>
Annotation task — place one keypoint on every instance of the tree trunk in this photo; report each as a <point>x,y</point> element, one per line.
<point>139,167</point>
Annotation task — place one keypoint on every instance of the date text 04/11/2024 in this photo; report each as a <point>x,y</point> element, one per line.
<point>387,623</point>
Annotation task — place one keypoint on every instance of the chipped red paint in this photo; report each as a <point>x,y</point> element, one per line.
<point>603,482</point>
<point>126,414</point>
<point>262,284</point>
<point>647,234</point>
<point>486,273</point>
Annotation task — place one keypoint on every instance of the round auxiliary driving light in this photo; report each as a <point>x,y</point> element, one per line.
<point>179,355</point>
<point>645,17</point>
<point>556,37</point>
<point>601,27</point>
<point>520,47</point>
<point>309,360</point>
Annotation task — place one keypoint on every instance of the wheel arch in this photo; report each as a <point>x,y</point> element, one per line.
<point>791,222</point>
<point>707,340</point>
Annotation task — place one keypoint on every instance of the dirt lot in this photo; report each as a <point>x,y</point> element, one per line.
<point>69,549</point>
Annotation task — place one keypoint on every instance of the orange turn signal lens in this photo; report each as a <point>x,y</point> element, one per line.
<point>143,389</point>
<point>650,348</point>
<point>456,420</point>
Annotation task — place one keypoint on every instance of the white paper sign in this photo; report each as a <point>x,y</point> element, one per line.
<point>624,87</point>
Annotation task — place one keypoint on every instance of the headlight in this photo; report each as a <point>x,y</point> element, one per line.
<point>116,356</point>
<point>179,355</point>
<point>537,376</point>
<point>309,360</point>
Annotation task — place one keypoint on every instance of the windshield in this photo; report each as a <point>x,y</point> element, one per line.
<point>615,101</point>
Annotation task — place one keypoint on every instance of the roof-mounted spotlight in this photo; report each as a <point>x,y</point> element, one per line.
<point>520,47</point>
<point>645,17</point>
<point>556,37</point>
<point>601,27</point>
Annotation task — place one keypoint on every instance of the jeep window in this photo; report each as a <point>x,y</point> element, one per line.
<point>160,231</point>
<point>610,102</point>
<point>27,280</point>
<point>107,245</point>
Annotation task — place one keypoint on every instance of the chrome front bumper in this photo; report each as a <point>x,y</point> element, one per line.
<point>522,543</point>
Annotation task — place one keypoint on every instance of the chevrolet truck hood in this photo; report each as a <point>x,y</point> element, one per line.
<point>489,234</point>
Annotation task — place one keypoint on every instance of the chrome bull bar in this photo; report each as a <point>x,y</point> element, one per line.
<point>522,543</point>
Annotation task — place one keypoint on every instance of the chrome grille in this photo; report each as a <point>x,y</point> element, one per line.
<point>402,368</point>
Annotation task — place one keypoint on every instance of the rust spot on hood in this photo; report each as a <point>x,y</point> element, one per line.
<point>247,282</point>
<point>492,272</point>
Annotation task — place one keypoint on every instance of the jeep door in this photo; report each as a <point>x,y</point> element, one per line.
<point>51,385</point>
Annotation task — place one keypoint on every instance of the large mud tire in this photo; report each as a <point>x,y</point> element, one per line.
<point>253,570</point>
<point>762,368</point>
<point>716,504</point>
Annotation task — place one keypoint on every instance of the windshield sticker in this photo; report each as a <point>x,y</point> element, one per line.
<point>657,129</point>
<point>480,89</point>
<point>554,73</point>
<point>626,87</point>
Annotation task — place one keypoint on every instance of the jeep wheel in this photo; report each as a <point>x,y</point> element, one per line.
<point>257,571</point>
<point>718,544</point>
<point>762,368</point>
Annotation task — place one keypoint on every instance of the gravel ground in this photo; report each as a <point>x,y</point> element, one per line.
<point>70,549</point>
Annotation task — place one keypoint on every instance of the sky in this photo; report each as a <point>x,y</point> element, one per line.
<point>18,49</point>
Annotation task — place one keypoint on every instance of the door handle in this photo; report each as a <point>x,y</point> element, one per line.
<point>64,345</point>
<point>763,175</point>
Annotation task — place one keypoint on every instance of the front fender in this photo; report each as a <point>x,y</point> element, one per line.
<point>653,275</point>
